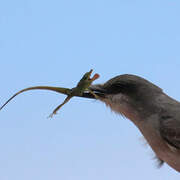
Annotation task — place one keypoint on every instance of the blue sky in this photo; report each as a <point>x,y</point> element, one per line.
<point>53,43</point>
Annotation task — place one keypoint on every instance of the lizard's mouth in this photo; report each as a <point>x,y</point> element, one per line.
<point>96,76</point>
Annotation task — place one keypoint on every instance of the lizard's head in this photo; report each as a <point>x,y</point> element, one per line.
<point>87,76</point>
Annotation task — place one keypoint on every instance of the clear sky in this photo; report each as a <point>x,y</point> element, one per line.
<point>53,43</point>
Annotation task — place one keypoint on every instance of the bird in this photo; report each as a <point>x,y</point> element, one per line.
<point>153,112</point>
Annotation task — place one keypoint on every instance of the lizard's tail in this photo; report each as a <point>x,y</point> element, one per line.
<point>56,89</point>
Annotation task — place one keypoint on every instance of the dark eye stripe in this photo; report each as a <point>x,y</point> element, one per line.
<point>116,88</point>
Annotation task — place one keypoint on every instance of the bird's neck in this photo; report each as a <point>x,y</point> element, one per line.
<point>121,104</point>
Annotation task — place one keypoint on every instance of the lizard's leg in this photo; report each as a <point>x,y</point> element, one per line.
<point>93,94</point>
<point>58,107</point>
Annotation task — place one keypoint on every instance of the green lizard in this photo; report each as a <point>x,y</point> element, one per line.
<point>82,86</point>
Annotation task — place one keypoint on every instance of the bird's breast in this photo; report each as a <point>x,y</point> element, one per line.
<point>121,104</point>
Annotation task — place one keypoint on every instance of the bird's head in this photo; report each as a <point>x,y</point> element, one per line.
<point>128,94</point>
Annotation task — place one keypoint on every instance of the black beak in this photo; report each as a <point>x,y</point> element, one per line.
<point>97,90</point>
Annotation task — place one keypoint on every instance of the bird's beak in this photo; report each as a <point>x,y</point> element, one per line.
<point>95,89</point>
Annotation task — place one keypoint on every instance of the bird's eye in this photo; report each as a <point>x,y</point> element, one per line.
<point>120,88</point>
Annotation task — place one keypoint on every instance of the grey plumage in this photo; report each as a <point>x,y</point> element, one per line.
<point>155,113</point>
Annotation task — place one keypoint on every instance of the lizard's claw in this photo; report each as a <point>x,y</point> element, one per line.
<point>51,115</point>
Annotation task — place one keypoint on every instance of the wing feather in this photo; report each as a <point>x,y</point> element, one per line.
<point>170,131</point>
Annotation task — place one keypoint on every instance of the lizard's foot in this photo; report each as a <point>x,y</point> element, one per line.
<point>96,97</point>
<point>52,114</point>
<point>57,108</point>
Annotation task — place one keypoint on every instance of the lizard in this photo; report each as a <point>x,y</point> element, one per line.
<point>81,87</point>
